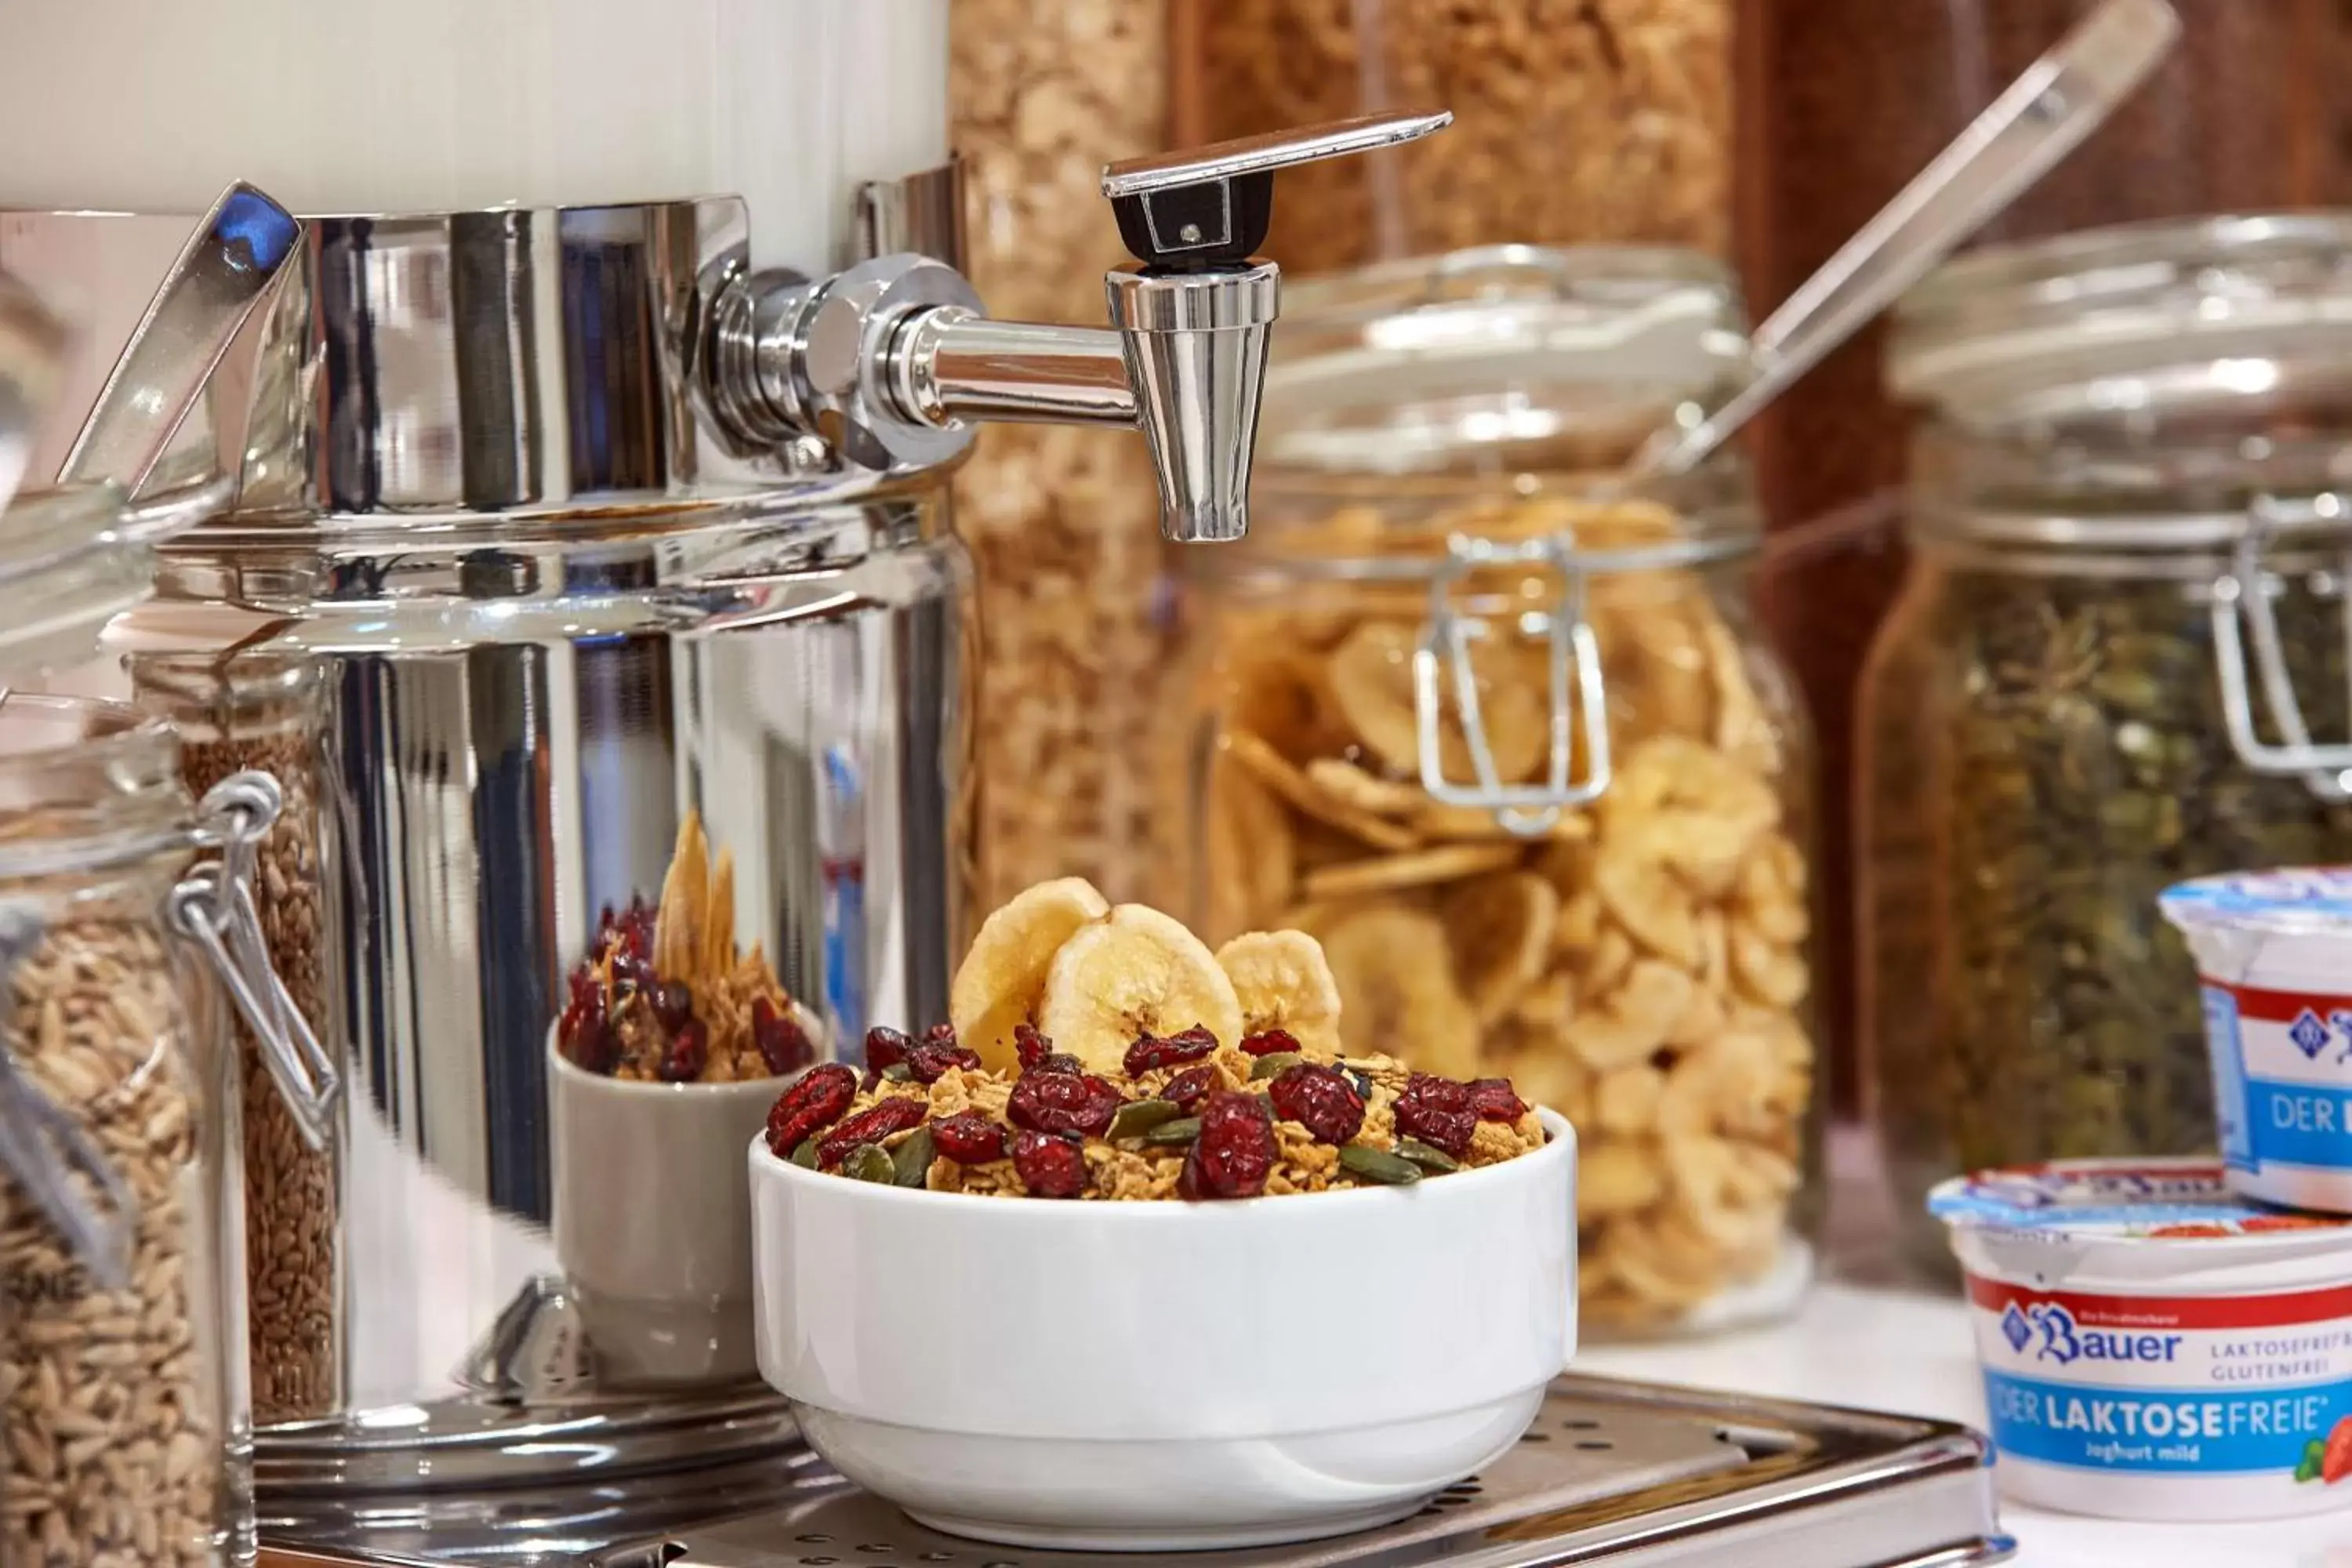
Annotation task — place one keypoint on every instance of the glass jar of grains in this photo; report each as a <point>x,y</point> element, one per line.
<point>2124,626</point>
<point>122,1373</point>
<point>260,709</point>
<point>1509,742</point>
<point>121,1363</point>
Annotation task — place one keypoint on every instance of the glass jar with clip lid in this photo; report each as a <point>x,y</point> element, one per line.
<point>126,915</point>
<point>2119,662</point>
<point>1502,733</point>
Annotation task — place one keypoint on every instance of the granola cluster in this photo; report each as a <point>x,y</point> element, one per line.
<point>1191,1118</point>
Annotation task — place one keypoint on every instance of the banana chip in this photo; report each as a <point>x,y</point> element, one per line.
<point>1372,676</point>
<point>1283,982</point>
<point>1364,791</point>
<point>1652,904</point>
<point>1414,868</point>
<point>1631,1023</point>
<point>1272,769</point>
<point>1397,992</point>
<point>1614,1177</point>
<point>1251,855</point>
<point>1000,984</point>
<point>1135,972</point>
<point>1500,928</point>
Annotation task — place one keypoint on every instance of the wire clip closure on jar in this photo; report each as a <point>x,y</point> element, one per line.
<point>2244,595</point>
<point>1574,680</point>
<point>213,908</point>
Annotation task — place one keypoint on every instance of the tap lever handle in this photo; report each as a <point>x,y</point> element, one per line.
<point>1207,208</point>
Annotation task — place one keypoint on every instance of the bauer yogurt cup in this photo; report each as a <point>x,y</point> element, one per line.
<point>2155,1346</point>
<point>2275,952</point>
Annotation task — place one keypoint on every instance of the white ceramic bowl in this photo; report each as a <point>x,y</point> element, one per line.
<point>1170,1375</point>
<point>653,1224</point>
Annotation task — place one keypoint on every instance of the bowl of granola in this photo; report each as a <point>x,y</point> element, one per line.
<point>671,1048</point>
<point>1180,1276</point>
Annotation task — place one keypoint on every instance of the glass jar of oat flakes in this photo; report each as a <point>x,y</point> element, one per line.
<point>2119,662</point>
<point>1508,742</point>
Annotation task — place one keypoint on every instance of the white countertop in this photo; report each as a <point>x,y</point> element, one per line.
<point>1901,1351</point>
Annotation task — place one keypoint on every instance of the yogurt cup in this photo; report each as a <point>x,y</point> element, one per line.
<point>2154,1346</point>
<point>2275,952</point>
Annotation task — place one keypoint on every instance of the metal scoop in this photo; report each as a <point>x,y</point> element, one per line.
<point>226,270</point>
<point>2045,113</point>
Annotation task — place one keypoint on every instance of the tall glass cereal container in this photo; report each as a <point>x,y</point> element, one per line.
<point>2118,662</point>
<point>1510,744</point>
<point>126,934</point>
<point>265,711</point>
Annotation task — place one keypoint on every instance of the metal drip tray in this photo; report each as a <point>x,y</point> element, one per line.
<point>1622,1474</point>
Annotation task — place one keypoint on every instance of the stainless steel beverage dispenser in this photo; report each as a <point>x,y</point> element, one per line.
<point>552,522</point>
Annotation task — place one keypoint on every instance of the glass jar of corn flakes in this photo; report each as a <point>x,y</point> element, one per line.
<point>1508,740</point>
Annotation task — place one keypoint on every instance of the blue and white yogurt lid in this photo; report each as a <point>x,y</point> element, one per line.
<point>2155,1200</point>
<point>2134,1225</point>
<point>2290,899</point>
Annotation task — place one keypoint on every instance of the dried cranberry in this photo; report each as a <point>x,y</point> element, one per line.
<point>1050,1167</point>
<point>784,1043</point>
<point>1267,1042</point>
<point>885,1049</point>
<point>689,1053</point>
<point>815,1101</point>
<point>673,1004</point>
<point>1029,1046</point>
<point>596,1046</point>
<point>1235,1153</point>
<point>1059,1062</point>
<point>1063,1103</point>
<point>1149,1054</point>
<point>930,1060</point>
<point>1494,1100</point>
<point>939,1035</point>
<point>895,1114</point>
<point>1437,1112</point>
<point>1187,1088</point>
<point>1319,1098</point>
<point>969,1138</point>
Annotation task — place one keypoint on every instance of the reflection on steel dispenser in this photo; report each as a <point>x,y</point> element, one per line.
<point>567,520</point>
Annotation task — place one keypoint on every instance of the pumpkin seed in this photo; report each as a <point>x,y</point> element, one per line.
<point>1138,1117</point>
<point>805,1155</point>
<point>1427,1156</point>
<point>1276,1064</point>
<point>898,1073</point>
<point>1378,1165</point>
<point>911,1161</point>
<point>870,1162</point>
<point>1173,1135</point>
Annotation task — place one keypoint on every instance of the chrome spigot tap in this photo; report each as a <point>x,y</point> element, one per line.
<point>894,361</point>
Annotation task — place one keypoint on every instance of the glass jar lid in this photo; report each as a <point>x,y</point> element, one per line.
<point>1506,358</point>
<point>74,557</point>
<point>2133,323</point>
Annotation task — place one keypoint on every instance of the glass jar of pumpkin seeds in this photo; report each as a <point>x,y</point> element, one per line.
<point>1504,737</point>
<point>2119,662</point>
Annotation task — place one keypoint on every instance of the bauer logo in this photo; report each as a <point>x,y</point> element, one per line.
<point>2309,1035</point>
<point>2015,1329</point>
<point>2059,1340</point>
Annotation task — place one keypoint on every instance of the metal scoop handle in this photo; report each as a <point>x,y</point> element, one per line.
<point>2045,113</point>
<point>225,270</point>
